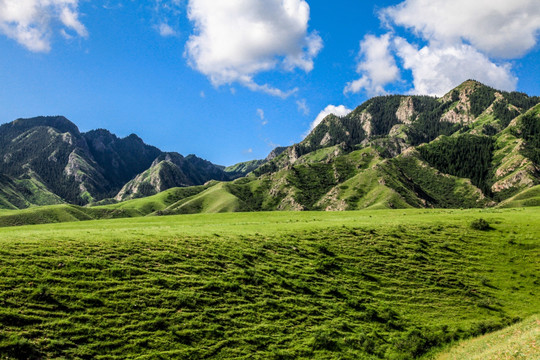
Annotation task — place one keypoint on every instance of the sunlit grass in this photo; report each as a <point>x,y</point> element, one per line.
<point>348,285</point>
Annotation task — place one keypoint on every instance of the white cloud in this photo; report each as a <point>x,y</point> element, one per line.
<point>500,28</point>
<point>461,38</point>
<point>166,30</point>
<point>260,114</point>
<point>436,69</point>
<point>29,22</point>
<point>236,39</point>
<point>340,111</point>
<point>377,67</point>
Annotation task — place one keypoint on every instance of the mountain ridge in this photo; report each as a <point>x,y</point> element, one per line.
<point>78,168</point>
<point>474,147</point>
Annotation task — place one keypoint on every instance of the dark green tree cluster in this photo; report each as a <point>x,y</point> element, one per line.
<point>466,156</point>
<point>413,181</point>
<point>503,113</point>
<point>346,130</point>
<point>254,198</point>
<point>428,126</point>
<point>521,100</point>
<point>480,99</point>
<point>512,105</point>
<point>529,130</point>
<point>312,181</point>
<point>383,112</point>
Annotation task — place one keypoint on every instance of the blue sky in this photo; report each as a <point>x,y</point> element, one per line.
<point>230,80</point>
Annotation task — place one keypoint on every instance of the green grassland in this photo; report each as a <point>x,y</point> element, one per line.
<point>528,197</point>
<point>517,342</point>
<point>391,284</point>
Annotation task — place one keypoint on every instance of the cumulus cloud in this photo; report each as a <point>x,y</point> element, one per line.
<point>340,111</point>
<point>236,39</point>
<point>377,66</point>
<point>506,29</point>
<point>462,39</point>
<point>437,69</point>
<point>29,22</point>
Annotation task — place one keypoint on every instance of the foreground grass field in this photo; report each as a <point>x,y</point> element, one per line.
<point>517,342</point>
<point>349,285</point>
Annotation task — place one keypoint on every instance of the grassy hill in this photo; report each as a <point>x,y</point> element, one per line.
<point>391,284</point>
<point>516,342</point>
<point>528,197</point>
<point>243,168</point>
<point>61,213</point>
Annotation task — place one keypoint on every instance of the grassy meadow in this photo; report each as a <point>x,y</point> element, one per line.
<point>386,284</point>
<point>519,341</point>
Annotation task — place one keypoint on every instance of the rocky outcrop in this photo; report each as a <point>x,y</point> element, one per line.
<point>458,115</point>
<point>519,179</point>
<point>365,121</point>
<point>275,153</point>
<point>405,113</point>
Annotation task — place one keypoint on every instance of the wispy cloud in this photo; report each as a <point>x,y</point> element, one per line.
<point>260,114</point>
<point>303,106</point>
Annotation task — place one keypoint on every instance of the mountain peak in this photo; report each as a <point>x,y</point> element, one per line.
<point>470,85</point>
<point>134,137</point>
<point>59,123</point>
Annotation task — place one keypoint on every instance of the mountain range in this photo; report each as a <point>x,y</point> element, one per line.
<point>47,160</point>
<point>474,147</point>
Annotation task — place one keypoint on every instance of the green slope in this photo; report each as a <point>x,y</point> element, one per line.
<point>23,193</point>
<point>168,171</point>
<point>388,284</point>
<point>59,214</point>
<point>517,342</point>
<point>10,196</point>
<point>243,168</point>
<point>215,199</point>
<point>528,197</point>
<point>158,202</point>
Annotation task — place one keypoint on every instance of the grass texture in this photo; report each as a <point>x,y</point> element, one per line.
<point>388,284</point>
